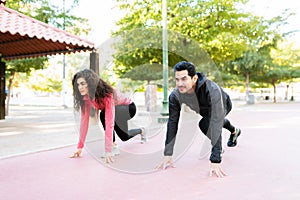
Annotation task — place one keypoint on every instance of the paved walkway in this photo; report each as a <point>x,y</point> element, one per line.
<point>35,145</point>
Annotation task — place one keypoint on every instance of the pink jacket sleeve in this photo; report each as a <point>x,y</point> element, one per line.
<point>84,125</point>
<point>109,122</point>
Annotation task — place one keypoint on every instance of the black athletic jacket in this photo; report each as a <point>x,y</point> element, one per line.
<point>209,100</point>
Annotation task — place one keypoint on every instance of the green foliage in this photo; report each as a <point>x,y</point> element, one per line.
<point>142,60</point>
<point>47,85</point>
<point>252,62</point>
<point>219,26</point>
<point>26,65</point>
<point>44,81</point>
<point>58,16</point>
<point>203,32</point>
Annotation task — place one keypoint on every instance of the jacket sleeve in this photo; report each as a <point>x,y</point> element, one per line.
<point>84,125</point>
<point>217,116</point>
<point>172,126</point>
<point>109,122</point>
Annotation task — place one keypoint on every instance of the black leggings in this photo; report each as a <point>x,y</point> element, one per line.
<point>204,122</point>
<point>123,113</point>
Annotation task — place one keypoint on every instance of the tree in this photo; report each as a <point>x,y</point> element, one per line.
<point>287,65</point>
<point>273,75</point>
<point>46,11</point>
<point>134,52</point>
<point>46,81</point>
<point>276,68</point>
<point>219,27</point>
<point>22,66</point>
<point>251,63</point>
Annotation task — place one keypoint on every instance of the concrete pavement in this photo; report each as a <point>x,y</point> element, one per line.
<point>30,129</point>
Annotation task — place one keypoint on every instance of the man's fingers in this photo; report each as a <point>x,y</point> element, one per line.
<point>173,166</point>
<point>169,164</point>
<point>158,167</point>
<point>164,166</point>
<point>223,173</point>
<point>218,173</point>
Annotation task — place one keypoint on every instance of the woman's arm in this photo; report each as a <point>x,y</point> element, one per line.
<point>109,122</point>
<point>84,125</point>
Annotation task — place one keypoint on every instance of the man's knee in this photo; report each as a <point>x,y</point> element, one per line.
<point>203,125</point>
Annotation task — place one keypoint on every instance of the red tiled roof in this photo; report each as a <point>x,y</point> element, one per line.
<point>25,37</point>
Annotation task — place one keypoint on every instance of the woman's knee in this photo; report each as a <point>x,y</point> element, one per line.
<point>132,110</point>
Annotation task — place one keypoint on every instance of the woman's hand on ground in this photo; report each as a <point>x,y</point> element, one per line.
<point>76,154</point>
<point>108,157</point>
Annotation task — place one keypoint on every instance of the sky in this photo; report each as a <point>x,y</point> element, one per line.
<point>103,15</point>
<point>102,18</point>
<point>272,8</point>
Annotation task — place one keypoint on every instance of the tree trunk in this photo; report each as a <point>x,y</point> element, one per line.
<point>10,81</point>
<point>274,88</point>
<point>247,83</point>
<point>150,98</point>
<point>247,86</point>
<point>286,93</point>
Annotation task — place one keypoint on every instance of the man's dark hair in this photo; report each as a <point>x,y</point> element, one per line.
<point>184,65</point>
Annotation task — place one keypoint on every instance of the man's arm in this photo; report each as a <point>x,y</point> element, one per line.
<point>215,129</point>
<point>172,126</point>
<point>216,121</point>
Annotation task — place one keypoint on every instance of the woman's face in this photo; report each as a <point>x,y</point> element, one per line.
<point>82,86</point>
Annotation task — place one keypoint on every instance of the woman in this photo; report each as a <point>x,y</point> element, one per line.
<point>90,90</point>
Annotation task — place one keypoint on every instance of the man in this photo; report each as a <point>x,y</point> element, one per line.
<point>211,102</point>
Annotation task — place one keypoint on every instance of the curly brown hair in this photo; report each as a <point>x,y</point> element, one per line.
<point>98,88</point>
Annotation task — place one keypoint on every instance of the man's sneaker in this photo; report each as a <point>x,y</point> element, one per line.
<point>233,138</point>
<point>143,136</point>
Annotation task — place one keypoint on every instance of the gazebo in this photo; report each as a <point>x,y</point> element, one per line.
<point>24,37</point>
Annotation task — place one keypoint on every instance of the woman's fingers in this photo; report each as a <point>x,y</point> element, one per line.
<point>76,154</point>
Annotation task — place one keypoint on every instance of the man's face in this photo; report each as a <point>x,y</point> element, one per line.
<point>184,82</point>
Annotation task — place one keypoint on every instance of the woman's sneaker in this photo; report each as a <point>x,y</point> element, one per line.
<point>143,136</point>
<point>233,137</point>
<point>115,150</point>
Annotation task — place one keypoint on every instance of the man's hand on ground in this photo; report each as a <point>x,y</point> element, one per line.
<point>215,168</point>
<point>167,162</point>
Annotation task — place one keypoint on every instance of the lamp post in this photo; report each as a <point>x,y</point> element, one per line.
<point>64,64</point>
<point>165,110</point>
